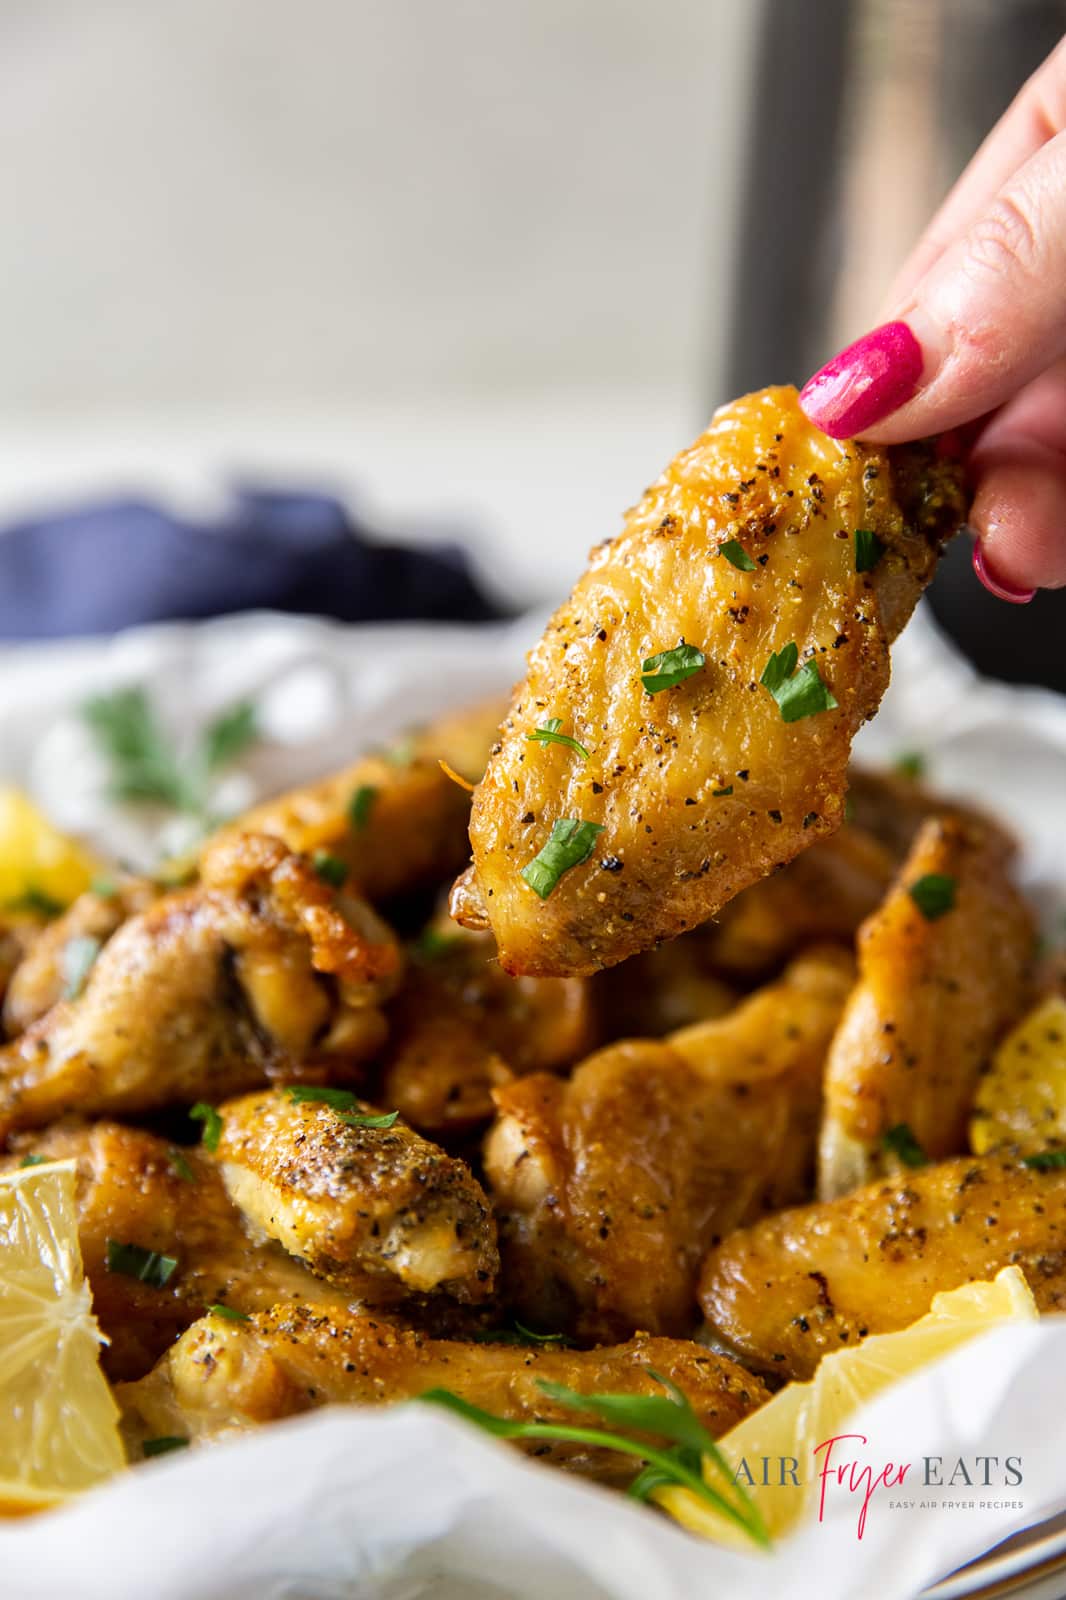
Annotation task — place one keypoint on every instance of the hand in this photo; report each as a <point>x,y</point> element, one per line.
<point>976,334</point>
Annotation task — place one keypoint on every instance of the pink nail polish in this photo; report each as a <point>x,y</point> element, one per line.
<point>996,586</point>
<point>866,382</point>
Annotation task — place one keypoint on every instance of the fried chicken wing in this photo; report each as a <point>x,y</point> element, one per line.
<point>937,987</point>
<point>223,1376</point>
<point>394,818</point>
<point>745,551</point>
<point>794,1287</point>
<point>259,971</point>
<point>358,1203</point>
<point>609,1187</point>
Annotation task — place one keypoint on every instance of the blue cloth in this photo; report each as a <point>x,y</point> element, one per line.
<point>116,564</point>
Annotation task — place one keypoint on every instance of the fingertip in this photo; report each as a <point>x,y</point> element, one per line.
<point>1019,517</point>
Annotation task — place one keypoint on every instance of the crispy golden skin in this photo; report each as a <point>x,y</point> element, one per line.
<point>257,972</point>
<point>131,1189</point>
<point>794,1287</point>
<point>358,1204</point>
<point>610,1187</point>
<point>675,846</point>
<point>414,830</point>
<point>223,1376</point>
<point>932,1000</point>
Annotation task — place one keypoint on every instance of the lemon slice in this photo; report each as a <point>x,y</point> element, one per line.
<point>1021,1100</point>
<point>36,860</point>
<point>58,1419</point>
<point>801,1415</point>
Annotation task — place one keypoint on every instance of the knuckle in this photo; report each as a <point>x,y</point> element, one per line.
<point>1006,242</point>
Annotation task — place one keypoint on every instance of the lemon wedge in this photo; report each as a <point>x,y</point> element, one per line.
<point>58,1419</point>
<point>1021,1100</point>
<point>801,1415</point>
<point>36,860</point>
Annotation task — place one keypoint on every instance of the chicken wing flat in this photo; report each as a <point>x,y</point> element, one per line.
<point>609,1187</point>
<point>223,1376</point>
<point>259,971</point>
<point>713,665</point>
<point>394,818</point>
<point>358,1203</point>
<point>794,1287</point>
<point>942,973</point>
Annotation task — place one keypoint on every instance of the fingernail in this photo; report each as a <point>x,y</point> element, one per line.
<point>866,382</point>
<point>996,586</point>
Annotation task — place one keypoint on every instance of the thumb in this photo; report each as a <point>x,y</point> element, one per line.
<point>988,316</point>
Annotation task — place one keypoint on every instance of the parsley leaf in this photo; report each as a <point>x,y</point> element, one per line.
<point>520,1334</point>
<point>364,1119</point>
<point>228,736</point>
<point>933,894</point>
<point>549,734</point>
<point>134,1261</point>
<point>76,963</point>
<point>181,1166</point>
<point>202,1112</point>
<point>1046,1161</point>
<point>36,902</point>
<point>230,1313</point>
<point>736,555</point>
<point>900,1141</point>
<point>146,767</point>
<point>361,805</point>
<point>868,550</point>
<point>331,869</point>
<point>163,1445</point>
<point>719,794</point>
<point>343,1102</point>
<point>571,842</point>
<point>910,764</point>
<point>33,1161</point>
<point>670,667</point>
<point>431,943</point>
<point>798,694</point>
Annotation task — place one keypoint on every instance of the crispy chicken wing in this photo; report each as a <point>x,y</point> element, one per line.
<point>746,550</point>
<point>610,1187</point>
<point>358,1203</point>
<point>394,818</point>
<point>791,1288</point>
<point>259,971</point>
<point>937,987</point>
<point>223,1376</point>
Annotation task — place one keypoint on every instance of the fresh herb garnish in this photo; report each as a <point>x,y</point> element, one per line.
<point>549,734</point>
<point>36,903</point>
<point>76,963</point>
<point>331,869</point>
<point>900,1141</point>
<point>202,1112</point>
<point>106,888</point>
<point>181,1166</point>
<point>736,555</point>
<point>343,1102</point>
<point>719,794</point>
<point>163,1445</point>
<point>146,767</point>
<point>693,1455</point>
<point>520,1334</point>
<point>230,1313</point>
<point>910,764</point>
<point>133,1261</point>
<point>228,736</point>
<point>361,805</point>
<point>1046,1161</point>
<point>363,1119</point>
<point>671,666</point>
<point>431,943</point>
<point>33,1161</point>
<point>798,694</point>
<point>868,550</point>
<point>571,842</point>
<point>933,894</point>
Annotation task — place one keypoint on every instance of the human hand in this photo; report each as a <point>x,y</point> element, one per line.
<point>975,334</point>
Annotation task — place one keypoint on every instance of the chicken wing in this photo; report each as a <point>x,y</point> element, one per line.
<point>394,818</point>
<point>611,1186</point>
<point>942,974</point>
<point>358,1203</point>
<point>788,1290</point>
<point>259,971</point>
<point>223,1376</point>
<point>713,666</point>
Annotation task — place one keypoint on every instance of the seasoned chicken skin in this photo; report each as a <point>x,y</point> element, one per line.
<point>224,1376</point>
<point>409,826</point>
<point>358,1203</point>
<point>794,1287</point>
<point>936,990</point>
<point>703,788</point>
<point>258,971</point>
<point>611,1186</point>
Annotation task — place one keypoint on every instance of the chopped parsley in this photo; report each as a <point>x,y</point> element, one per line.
<point>147,1266</point>
<point>202,1112</point>
<point>146,767</point>
<point>164,1445</point>
<point>343,1102</point>
<point>230,1313</point>
<point>76,963</point>
<point>363,1119</point>
<point>361,805</point>
<point>331,869</point>
<point>180,1165</point>
<point>36,903</point>
<point>571,842</point>
<point>549,734</point>
<point>900,1141</point>
<point>798,694</point>
<point>868,550</point>
<point>106,888</point>
<point>431,943</point>
<point>670,667</point>
<point>719,794</point>
<point>33,1161</point>
<point>736,555</point>
<point>933,894</point>
<point>1046,1161</point>
<point>910,764</point>
<point>520,1334</point>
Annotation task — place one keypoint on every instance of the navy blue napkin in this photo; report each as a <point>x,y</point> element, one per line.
<point>116,564</point>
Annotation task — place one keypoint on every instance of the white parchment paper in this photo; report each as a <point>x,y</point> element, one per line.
<point>408,1502</point>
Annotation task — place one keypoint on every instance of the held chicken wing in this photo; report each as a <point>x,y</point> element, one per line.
<point>259,971</point>
<point>610,1186</point>
<point>794,1287</point>
<point>942,974</point>
<point>223,1376</point>
<point>708,675</point>
<point>394,818</point>
<point>363,1206</point>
